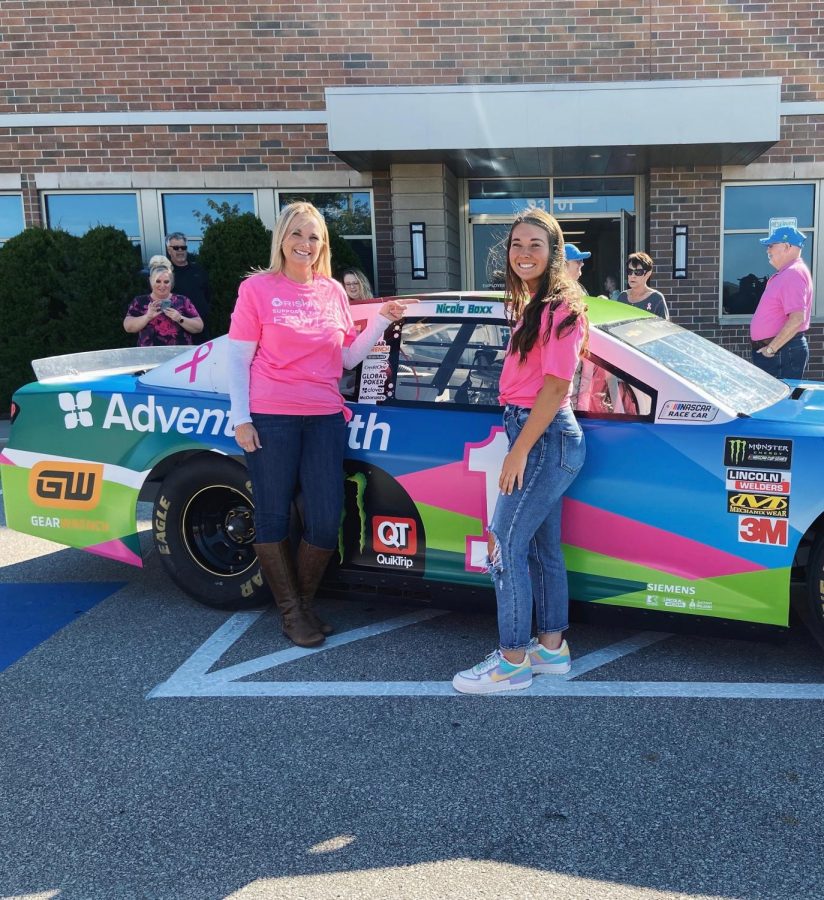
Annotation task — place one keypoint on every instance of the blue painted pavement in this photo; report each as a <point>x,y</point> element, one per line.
<point>31,613</point>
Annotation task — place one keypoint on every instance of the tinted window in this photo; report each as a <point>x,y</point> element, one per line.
<point>77,213</point>
<point>192,213</point>
<point>729,380</point>
<point>752,206</point>
<point>11,216</point>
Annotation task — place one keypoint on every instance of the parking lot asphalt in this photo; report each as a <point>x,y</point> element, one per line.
<point>111,787</point>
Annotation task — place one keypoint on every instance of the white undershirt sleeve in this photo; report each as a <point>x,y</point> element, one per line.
<point>356,352</point>
<point>241,354</point>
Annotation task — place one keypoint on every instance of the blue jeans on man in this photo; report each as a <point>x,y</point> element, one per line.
<point>790,361</point>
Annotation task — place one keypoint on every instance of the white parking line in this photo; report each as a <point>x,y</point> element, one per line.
<point>194,678</point>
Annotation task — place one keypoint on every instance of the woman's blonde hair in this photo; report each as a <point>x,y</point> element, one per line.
<point>160,263</point>
<point>285,223</point>
<point>365,287</point>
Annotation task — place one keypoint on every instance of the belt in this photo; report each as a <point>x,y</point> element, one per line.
<point>757,344</point>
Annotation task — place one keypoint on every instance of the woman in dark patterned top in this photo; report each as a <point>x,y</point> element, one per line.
<point>162,317</point>
<point>640,294</point>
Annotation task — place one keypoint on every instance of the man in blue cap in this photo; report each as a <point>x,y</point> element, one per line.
<point>778,327</point>
<point>575,263</point>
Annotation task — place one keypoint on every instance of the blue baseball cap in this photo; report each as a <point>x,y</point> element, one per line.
<point>571,252</point>
<point>786,234</point>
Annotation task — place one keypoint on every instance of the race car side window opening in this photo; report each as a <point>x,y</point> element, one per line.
<point>599,392</point>
<point>451,361</point>
<point>725,377</point>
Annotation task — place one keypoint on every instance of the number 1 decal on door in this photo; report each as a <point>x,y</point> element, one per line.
<point>486,460</point>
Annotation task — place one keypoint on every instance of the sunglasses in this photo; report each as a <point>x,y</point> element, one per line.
<point>639,272</point>
<point>173,247</point>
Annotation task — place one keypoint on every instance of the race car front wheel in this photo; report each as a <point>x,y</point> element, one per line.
<point>203,529</point>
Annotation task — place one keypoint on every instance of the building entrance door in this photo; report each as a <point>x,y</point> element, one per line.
<point>595,214</point>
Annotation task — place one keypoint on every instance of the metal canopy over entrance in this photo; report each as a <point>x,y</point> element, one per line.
<point>556,129</point>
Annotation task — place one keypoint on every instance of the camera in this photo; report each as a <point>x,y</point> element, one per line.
<point>165,304</point>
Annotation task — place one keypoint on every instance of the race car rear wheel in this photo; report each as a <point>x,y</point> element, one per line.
<point>815,589</point>
<point>203,529</point>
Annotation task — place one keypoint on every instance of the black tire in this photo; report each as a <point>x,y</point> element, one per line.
<point>203,529</point>
<point>815,590</point>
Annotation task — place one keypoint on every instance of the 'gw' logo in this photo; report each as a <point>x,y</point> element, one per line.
<point>737,448</point>
<point>66,485</point>
<point>76,408</point>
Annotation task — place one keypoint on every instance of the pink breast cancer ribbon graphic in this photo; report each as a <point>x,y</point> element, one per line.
<point>199,355</point>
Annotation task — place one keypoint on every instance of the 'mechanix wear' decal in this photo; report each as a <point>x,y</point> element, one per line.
<point>770,505</point>
<point>769,453</point>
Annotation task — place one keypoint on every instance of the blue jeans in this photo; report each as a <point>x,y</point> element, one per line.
<point>305,451</point>
<point>790,361</point>
<point>527,564</point>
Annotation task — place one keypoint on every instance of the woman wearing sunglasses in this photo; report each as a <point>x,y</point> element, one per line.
<point>640,294</point>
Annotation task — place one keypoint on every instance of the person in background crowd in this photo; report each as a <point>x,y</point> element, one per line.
<point>611,291</point>
<point>190,278</point>
<point>290,337</point>
<point>640,294</point>
<point>574,264</point>
<point>162,317</point>
<point>356,284</point>
<point>546,452</point>
<point>778,326</point>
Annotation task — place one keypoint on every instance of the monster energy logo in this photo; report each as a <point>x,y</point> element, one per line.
<point>360,481</point>
<point>737,450</point>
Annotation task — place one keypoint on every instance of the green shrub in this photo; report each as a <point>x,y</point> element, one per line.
<point>37,270</point>
<point>107,278</point>
<point>343,256</point>
<point>63,294</point>
<point>232,246</point>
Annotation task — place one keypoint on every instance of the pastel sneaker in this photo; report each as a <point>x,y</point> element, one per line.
<point>548,662</point>
<point>493,675</point>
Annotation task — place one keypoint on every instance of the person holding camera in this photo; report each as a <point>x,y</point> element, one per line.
<point>161,317</point>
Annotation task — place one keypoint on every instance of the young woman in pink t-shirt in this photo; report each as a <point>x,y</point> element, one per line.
<point>290,338</point>
<point>546,452</point>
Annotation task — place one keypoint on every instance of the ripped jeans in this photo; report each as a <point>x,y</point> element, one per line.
<point>527,564</point>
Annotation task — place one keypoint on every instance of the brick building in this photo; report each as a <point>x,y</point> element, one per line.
<point>624,119</point>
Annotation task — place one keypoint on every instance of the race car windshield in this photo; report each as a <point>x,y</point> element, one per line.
<point>728,379</point>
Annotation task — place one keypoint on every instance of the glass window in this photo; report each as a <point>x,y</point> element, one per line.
<point>576,196</point>
<point>77,213</point>
<point>726,378</point>
<point>11,216</point>
<point>191,213</point>
<point>455,362</point>
<point>507,196</point>
<point>751,206</point>
<point>349,213</point>
<point>747,213</point>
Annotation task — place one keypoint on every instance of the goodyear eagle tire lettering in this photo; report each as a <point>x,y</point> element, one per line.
<point>203,530</point>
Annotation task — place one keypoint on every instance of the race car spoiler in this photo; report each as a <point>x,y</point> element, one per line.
<point>120,360</point>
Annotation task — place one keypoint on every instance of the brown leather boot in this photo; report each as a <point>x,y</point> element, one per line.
<point>279,572</point>
<point>312,562</point>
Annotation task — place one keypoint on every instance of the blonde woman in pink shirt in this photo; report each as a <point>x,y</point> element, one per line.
<point>290,338</point>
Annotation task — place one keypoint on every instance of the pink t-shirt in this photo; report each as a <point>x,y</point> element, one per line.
<point>789,290</point>
<point>300,331</point>
<point>558,356</point>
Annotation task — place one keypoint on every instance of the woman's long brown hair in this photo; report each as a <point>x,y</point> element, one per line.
<point>555,287</point>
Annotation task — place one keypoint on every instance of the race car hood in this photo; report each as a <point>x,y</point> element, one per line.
<point>805,406</point>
